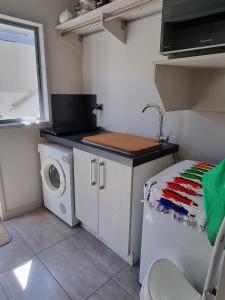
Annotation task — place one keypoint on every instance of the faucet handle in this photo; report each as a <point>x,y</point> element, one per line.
<point>164,139</point>
<point>169,135</point>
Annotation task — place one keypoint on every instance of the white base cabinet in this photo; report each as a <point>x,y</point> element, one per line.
<point>108,198</point>
<point>114,204</point>
<point>86,189</point>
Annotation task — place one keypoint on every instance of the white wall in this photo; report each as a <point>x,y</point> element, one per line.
<point>122,77</point>
<point>19,160</point>
<point>20,167</point>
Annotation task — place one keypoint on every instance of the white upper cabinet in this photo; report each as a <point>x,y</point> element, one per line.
<point>196,83</point>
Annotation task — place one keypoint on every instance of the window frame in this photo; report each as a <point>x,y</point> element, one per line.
<point>41,72</point>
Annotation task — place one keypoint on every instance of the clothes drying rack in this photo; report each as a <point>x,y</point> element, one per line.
<point>210,291</point>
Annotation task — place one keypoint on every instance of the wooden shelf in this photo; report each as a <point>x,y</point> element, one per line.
<point>110,16</point>
<point>192,83</point>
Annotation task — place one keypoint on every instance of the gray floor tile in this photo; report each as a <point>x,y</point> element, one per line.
<point>128,280</point>
<point>101,255</point>
<point>2,294</point>
<point>73,270</point>
<point>15,252</point>
<point>110,291</point>
<point>41,230</point>
<point>31,280</point>
<point>81,264</point>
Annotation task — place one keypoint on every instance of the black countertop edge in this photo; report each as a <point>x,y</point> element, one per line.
<point>75,141</point>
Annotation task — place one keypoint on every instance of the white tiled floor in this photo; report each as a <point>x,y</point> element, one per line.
<point>48,260</point>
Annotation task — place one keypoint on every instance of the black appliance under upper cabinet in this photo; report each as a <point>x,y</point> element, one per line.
<point>193,27</point>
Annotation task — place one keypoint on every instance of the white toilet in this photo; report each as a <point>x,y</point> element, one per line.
<point>165,281</point>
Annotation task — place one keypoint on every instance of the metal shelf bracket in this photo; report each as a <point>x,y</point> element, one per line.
<point>116,26</point>
<point>73,40</point>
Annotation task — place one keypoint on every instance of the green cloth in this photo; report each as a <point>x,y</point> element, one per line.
<point>214,200</point>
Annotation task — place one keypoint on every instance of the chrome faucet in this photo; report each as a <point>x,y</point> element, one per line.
<point>160,137</point>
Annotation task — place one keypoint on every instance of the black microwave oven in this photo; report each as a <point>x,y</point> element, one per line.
<point>192,27</point>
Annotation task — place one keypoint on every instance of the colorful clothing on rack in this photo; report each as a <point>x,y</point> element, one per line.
<point>178,191</point>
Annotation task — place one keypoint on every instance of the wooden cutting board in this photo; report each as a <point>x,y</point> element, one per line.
<point>122,142</point>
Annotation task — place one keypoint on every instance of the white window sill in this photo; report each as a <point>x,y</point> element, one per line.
<point>12,125</point>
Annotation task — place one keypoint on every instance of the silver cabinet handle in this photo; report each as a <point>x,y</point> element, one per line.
<point>93,172</point>
<point>101,176</point>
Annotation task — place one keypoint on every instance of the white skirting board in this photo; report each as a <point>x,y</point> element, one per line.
<point>9,214</point>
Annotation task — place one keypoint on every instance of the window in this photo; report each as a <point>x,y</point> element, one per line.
<point>23,83</point>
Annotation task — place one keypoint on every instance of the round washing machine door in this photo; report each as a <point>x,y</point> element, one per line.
<point>53,177</point>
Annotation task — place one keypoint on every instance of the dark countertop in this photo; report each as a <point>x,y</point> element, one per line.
<point>75,141</point>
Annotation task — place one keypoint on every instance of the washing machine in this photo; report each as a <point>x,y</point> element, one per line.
<point>58,181</point>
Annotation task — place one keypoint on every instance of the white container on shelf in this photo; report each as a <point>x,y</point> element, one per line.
<point>65,16</point>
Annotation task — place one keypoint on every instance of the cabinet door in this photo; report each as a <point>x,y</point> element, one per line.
<point>86,188</point>
<point>114,204</point>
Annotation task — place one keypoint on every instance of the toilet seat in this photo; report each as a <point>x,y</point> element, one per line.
<point>166,282</point>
